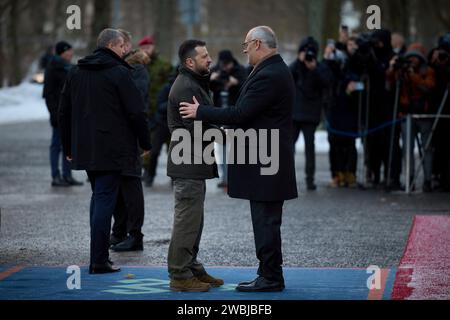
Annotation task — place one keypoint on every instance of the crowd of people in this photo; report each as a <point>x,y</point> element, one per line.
<point>113,112</point>
<point>365,86</point>
<point>361,85</point>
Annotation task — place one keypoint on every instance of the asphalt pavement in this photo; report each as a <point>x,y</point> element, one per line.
<point>328,228</point>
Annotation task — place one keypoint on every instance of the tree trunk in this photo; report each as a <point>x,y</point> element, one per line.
<point>14,69</point>
<point>315,13</point>
<point>101,20</point>
<point>164,27</point>
<point>332,20</point>
<point>3,4</point>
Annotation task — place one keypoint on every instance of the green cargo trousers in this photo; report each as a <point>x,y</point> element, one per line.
<point>187,229</point>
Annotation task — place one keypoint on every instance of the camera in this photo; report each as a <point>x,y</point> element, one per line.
<point>402,64</point>
<point>223,76</point>
<point>365,55</point>
<point>310,53</point>
<point>310,56</point>
<point>443,57</point>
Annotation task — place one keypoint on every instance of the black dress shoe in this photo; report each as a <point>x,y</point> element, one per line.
<point>59,182</point>
<point>245,283</point>
<point>72,182</point>
<point>311,186</point>
<point>115,240</point>
<point>129,244</point>
<point>103,268</point>
<point>260,284</point>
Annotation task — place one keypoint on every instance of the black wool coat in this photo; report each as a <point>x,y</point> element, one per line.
<point>102,115</point>
<point>266,101</point>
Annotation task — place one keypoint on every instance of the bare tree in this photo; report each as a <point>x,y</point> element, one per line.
<point>442,12</point>
<point>4,4</point>
<point>14,71</point>
<point>102,20</point>
<point>164,26</point>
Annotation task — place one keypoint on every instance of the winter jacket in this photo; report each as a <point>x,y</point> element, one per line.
<point>265,102</point>
<point>187,85</point>
<point>102,115</point>
<point>310,87</point>
<point>415,90</point>
<point>217,86</point>
<point>141,79</point>
<point>55,76</point>
<point>159,71</point>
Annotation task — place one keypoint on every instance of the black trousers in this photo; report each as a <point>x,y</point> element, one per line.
<point>266,219</point>
<point>105,189</point>
<point>343,155</point>
<point>129,213</point>
<point>160,136</point>
<point>309,130</point>
<point>377,154</point>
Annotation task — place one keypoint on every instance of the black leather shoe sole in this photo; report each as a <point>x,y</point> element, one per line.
<point>118,248</point>
<point>108,268</point>
<point>259,289</point>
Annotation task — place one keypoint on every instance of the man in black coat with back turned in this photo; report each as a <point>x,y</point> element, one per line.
<point>102,118</point>
<point>265,102</point>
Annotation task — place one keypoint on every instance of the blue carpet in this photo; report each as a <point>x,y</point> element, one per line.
<point>151,283</point>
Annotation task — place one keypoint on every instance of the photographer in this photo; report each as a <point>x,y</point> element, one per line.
<point>440,62</point>
<point>311,79</point>
<point>227,78</point>
<point>342,115</point>
<point>370,63</point>
<point>416,82</point>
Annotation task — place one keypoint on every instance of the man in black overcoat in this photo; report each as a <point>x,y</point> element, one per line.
<point>103,123</point>
<point>266,101</point>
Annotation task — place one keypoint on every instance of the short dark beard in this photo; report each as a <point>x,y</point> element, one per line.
<point>203,72</point>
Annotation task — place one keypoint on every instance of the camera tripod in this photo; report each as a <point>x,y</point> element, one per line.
<point>363,129</point>
<point>428,142</point>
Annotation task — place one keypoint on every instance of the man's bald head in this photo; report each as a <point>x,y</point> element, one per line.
<point>260,43</point>
<point>265,34</point>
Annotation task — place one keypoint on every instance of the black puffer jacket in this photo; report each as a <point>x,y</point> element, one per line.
<point>102,115</point>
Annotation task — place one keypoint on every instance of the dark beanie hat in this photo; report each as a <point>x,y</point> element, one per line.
<point>309,43</point>
<point>444,42</point>
<point>62,47</point>
<point>226,56</point>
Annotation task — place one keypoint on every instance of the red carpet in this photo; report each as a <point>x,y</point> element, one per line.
<point>424,270</point>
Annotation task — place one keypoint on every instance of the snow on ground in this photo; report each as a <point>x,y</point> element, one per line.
<point>24,103</point>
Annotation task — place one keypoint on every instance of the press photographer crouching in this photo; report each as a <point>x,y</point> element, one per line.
<point>417,81</point>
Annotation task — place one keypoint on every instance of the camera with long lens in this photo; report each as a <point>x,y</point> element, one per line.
<point>310,54</point>
<point>444,57</point>
<point>402,64</point>
<point>224,77</point>
<point>365,53</point>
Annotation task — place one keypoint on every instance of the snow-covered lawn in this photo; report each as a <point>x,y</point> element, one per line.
<point>23,103</point>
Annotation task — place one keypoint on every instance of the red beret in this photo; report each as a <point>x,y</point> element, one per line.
<point>146,41</point>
